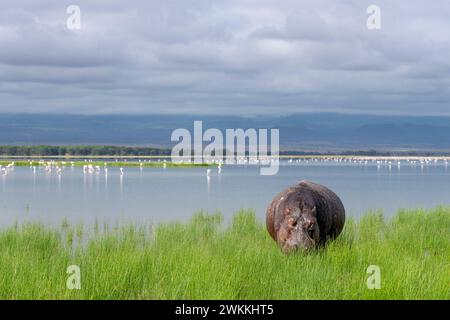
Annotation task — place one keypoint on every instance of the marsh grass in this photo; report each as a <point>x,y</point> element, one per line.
<point>207,259</point>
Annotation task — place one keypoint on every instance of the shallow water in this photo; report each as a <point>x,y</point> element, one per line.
<point>157,194</point>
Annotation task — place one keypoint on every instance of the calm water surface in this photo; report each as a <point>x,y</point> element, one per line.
<point>157,194</point>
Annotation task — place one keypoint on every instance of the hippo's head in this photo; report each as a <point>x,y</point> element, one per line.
<point>298,229</point>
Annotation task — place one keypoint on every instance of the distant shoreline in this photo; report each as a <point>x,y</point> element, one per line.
<point>128,152</point>
<point>284,157</point>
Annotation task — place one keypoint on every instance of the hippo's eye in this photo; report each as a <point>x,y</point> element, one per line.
<point>292,222</point>
<point>310,230</point>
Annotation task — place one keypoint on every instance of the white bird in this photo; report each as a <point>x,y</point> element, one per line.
<point>208,172</point>
<point>121,171</point>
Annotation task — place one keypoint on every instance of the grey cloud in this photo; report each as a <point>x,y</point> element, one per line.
<point>224,57</point>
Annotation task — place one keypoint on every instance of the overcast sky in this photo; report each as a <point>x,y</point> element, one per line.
<point>225,57</point>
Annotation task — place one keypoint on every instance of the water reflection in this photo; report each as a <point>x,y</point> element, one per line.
<point>155,194</point>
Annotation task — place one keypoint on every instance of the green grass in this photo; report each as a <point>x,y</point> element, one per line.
<point>152,164</point>
<point>203,259</point>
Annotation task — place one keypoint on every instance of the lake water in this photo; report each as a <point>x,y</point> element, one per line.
<point>157,194</point>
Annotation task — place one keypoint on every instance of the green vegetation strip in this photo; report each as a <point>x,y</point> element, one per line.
<point>202,259</point>
<point>153,164</point>
<point>67,151</point>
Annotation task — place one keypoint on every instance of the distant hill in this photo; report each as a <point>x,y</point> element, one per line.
<point>315,131</point>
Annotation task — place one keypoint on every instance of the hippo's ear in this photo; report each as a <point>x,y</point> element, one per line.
<point>314,211</point>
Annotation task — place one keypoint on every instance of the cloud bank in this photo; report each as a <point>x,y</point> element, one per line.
<point>225,57</point>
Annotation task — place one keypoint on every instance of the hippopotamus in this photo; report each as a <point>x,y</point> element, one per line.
<point>305,216</point>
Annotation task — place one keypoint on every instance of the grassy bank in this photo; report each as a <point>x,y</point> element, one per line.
<point>202,260</point>
<point>148,164</point>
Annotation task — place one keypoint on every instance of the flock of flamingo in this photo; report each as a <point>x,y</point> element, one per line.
<point>387,162</point>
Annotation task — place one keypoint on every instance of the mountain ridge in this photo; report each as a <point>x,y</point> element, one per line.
<point>322,131</point>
